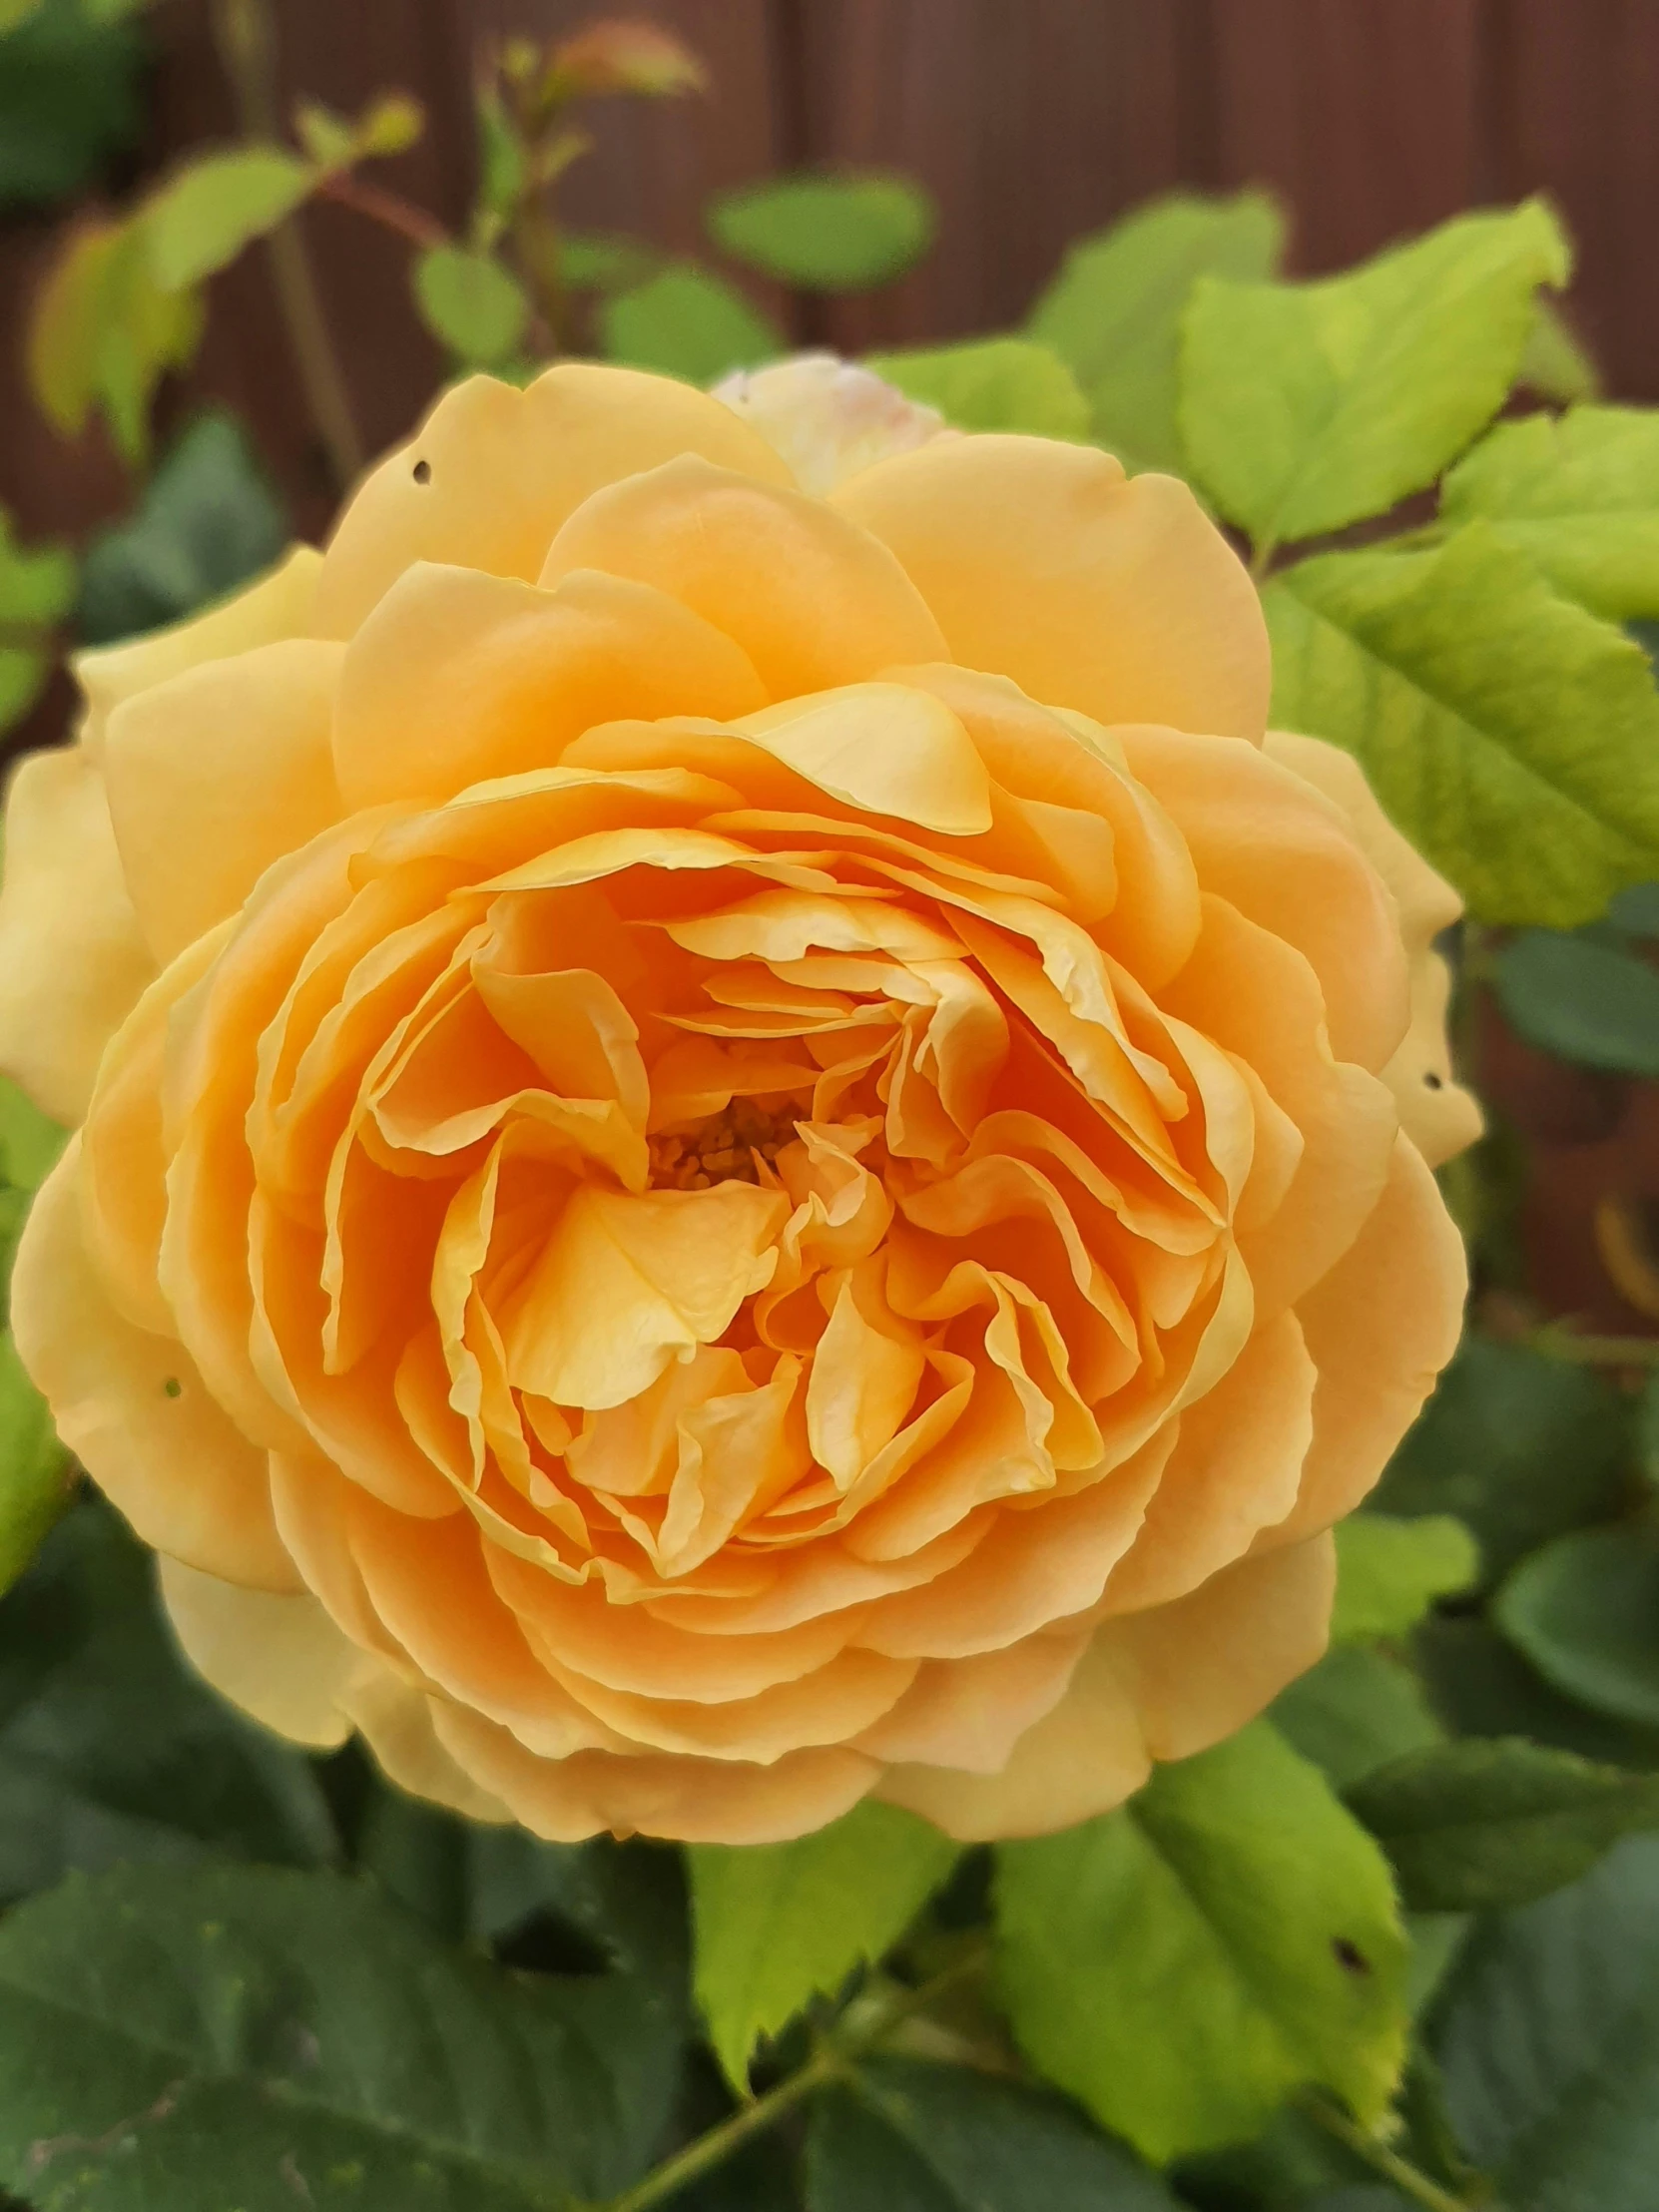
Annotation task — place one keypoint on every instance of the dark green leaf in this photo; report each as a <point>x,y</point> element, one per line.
<point>686,322</point>
<point>208,522</point>
<point>1585,1611</point>
<point>69,100</point>
<point>1182,1965</point>
<point>473,302</point>
<point>1510,734</point>
<point>1357,1710</point>
<point>1549,2043</point>
<point>1518,1447</point>
<point>1481,1686</point>
<point>1390,1572</point>
<point>778,1923</point>
<point>602,260</point>
<point>991,384</point>
<point>825,232</point>
<point>218,203</point>
<point>212,2036</point>
<point>907,2137</point>
<point>1308,406</point>
<point>1114,310</point>
<point>1635,913</point>
<point>1582,1001</point>
<point>1472,1825</point>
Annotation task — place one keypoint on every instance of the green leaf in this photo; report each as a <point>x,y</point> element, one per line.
<point>1391,1571</point>
<point>685,322</point>
<point>209,520</point>
<point>1518,1447</point>
<point>991,384</point>
<point>1585,1611</point>
<point>218,203</point>
<point>778,1923</point>
<point>1635,913</point>
<point>604,261</point>
<point>1549,2043</point>
<point>1183,1965</point>
<point>36,590</point>
<point>34,1468</point>
<point>1579,495</point>
<point>825,232</point>
<point>1471,1826</point>
<point>29,1141</point>
<point>108,1750</point>
<point>1479,1684</point>
<point>104,332</point>
<point>471,302</point>
<point>1355,1711</point>
<point>1114,310</point>
<point>1583,1001</point>
<point>910,2137</point>
<point>1556,364</point>
<point>69,100</point>
<point>212,2037</point>
<point>1308,406</point>
<point>1512,736</point>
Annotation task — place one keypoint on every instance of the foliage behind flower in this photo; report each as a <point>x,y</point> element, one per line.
<point>738,1149</point>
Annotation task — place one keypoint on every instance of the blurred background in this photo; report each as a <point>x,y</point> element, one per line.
<point>1030,123</point>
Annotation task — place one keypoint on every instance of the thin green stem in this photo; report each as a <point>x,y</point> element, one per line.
<point>1596,1351</point>
<point>834,2056</point>
<point>1410,2180</point>
<point>244,33</point>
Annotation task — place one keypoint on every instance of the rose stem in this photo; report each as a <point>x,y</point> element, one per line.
<point>833,2057</point>
<point>246,37</point>
<point>1383,2160</point>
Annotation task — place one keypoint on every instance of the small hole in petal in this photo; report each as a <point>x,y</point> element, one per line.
<point>423,472</point>
<point>173,1387</point>
<point>1434,1082</point>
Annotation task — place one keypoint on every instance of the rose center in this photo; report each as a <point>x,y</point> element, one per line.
<point>729,1147</point>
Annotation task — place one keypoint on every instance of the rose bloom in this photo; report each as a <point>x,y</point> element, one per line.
<point>742,1143</point>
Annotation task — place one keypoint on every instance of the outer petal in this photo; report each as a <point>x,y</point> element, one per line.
<point>492,472</point>
<point>1045,563</point>
<point>133,1408</point>
<point>73,960</point>
<point>279,1658</point>
<point>216,773</point>
<point>813,600</point>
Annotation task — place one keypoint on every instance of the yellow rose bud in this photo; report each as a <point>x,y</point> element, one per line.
<point>739,1144</point>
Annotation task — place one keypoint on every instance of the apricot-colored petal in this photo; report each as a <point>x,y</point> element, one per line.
<point>404,1728</point>
<point>884,749</point>
<point>459,676</point>
<point>1042,562</point>
<point>833,1704</point>
<point>133,1408</point>
<point>216,773</point>
<point>1379,1326</point>
<point>492,473</point>
<point>279,1658</point>
<point>73,959</point>
<point>970,1713</point>
<point>1081,1759</point>
<point>1437,1114</point>
<point>812,599</point>
<point>863,1381</point>
<point>1200,1668</point>
<point>278,603</point>
<point>738,1452</point>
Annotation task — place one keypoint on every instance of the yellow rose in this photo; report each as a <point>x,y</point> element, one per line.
<point>737,1147</point>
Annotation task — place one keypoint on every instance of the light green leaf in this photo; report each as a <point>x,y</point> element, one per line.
<point>104,332</point>
<point>70,99</point>
<point>778,1923</point>
<point>1114,310</point>
<point>1308,406</point>
<point>202,2037</point>
<point>36,590</point>
<point>29,1142</point>
<point>14,12</point>
<point>1579,494</point>
<point>208,522</point>
<point>1583,1001</point>
<point>825,232</point>
<point>1557,364</point>
<point>471,302</point>
<point>1389,1572</point>
<point>34,1468</point>
<point>1355,1711</point>
<point>1183,1965</point>
<point>686,322</point>
<point>205,215</point>
<point>1585,1611</point>
<point>991,384</point>
<point>1549,2043</point>
<point>1474,1825</point>
<point>907,2137</point>
<point>388,126</point>
<point>1512,736</point>
<point>331,139</point>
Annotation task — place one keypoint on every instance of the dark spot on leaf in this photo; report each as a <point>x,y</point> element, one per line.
<point>173,1387</point>
<point>1432,1081</point>
<point>1350,1957</point>
<point>423,472</point>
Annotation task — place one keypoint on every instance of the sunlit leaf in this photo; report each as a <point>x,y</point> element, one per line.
<point>218,203</point>
<point>991,384</point>
<point>34,1468</point>
<point>471,302</point>
<point>104,332</point>
<point>1390,1572</point>
<point>686,322</point>
<point>825,232</point>
<point>37,589</point>
<point>1557,364</point>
